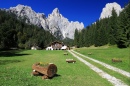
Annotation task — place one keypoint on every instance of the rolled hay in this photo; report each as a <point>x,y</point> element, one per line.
<point>48,70</point>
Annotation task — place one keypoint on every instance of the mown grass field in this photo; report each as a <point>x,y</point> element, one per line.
<point>109,53</point>
<point>15,69</point>
<point>106,54</point>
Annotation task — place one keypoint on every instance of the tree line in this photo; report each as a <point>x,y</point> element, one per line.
<point>15,33</point>
<point>114,30</point>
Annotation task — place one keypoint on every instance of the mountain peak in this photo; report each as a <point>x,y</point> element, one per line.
<point>56,12</point>
<point>58,25</point>
<point>20,8</point>
<point>19,5</point>
<point>61,26</point>
<point>23,6</point>
<point>107,10</point>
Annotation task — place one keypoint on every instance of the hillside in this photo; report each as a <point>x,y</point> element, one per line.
<point>114,29</point>
<point>16,33</point>
<point>55,23</point>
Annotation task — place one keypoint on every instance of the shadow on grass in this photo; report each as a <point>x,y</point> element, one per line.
<point>41,75</point>
<point>11,53</point>
<point>4,62</point>
<point>56,75</point>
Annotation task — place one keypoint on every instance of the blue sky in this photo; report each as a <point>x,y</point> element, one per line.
<point>86,11</point>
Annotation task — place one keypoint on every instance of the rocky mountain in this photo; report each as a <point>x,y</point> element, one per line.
<point>32,17</point>
<point>107,10</point>
<point>57,24</point>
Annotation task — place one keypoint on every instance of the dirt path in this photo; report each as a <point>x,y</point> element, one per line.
<point>127,74</point>
<point>112,79</point>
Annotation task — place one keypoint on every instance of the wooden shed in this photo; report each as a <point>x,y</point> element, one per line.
<point>56,45</point>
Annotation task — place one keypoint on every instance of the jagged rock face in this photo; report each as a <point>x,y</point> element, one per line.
<point>55,23</point>
<point>38,19</point>
<point>107,10</point>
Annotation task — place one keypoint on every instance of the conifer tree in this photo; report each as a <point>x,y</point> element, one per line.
<point>15,32</point>
<point>113,28</point>
<point>124,28</point>
<point>76,38</point>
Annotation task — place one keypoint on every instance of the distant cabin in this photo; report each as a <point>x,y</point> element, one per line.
<point>64,47</point>
<point>57,46</point>
<point>49,48</point>
<point>35,48</point>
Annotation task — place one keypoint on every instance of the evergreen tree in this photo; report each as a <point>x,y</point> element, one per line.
<point>76,38</point>
<point>124,28</point>
<point>104,31</point>
<point>80,39</point>
<point>16,33</point>
<point>83,37</point>
<point>113,28</point>
<point>97,34</point>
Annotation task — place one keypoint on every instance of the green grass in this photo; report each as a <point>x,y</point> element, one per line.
<point>112,73</point>
<point>105,54</point>
<point>16,68</point>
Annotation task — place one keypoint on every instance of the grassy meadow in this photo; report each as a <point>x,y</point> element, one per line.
<point>16,67</point>
<point>106,54</point>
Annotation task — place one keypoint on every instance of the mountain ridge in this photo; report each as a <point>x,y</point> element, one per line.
<point>57,24</point>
